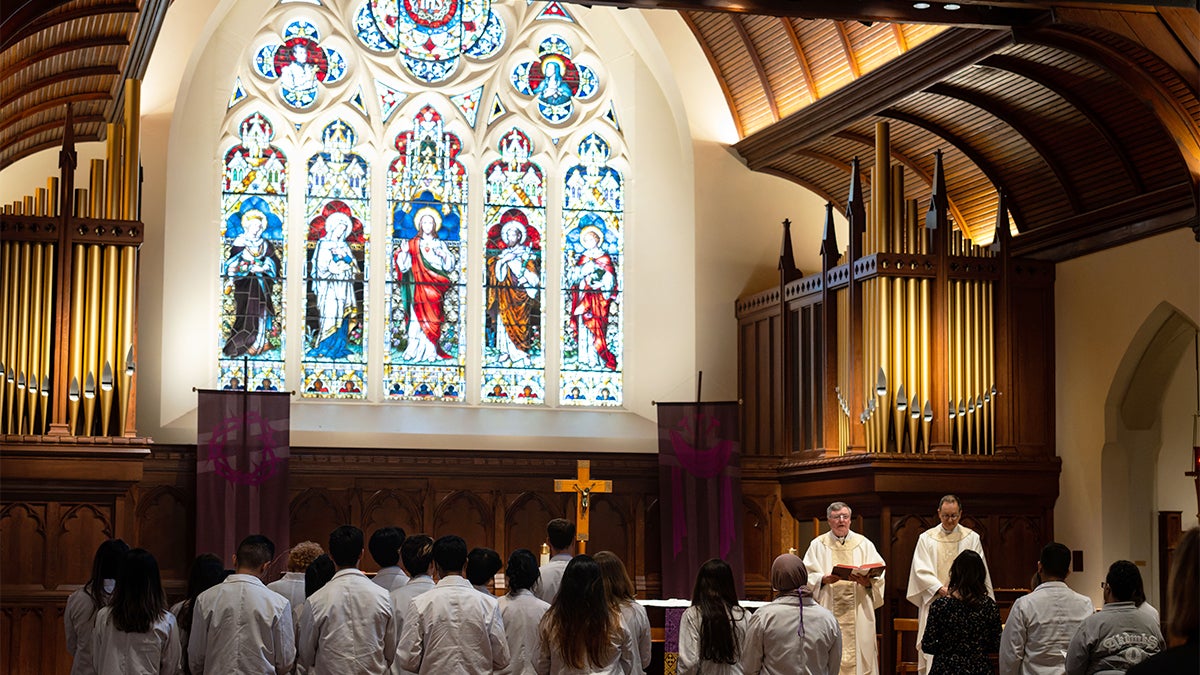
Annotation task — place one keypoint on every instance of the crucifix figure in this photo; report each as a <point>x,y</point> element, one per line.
<point>584,486</point>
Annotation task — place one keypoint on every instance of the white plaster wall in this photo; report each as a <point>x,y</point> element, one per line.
<point>26,175</point>
<point>1101,301</point>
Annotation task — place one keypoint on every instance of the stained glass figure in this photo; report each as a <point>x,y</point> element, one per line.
<point>431,36</point>
<point>593,215</point>
<point>514,281</point>
<point>253,255</point>
<point>300,64</point>
<point>427,196</point>
<point>338,209</point>
<point>555,80</point>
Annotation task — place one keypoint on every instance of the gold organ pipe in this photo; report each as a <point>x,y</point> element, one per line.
<point>91,339</point>
<point>971,354</point>
<point>126,324</point>
<point>96,189</point>
<point>52,191</point>
<point>79,207</point>
<point>989,341</point>
<point>6,330</point>
<point>33,325</point>
<point>843,355</point>
<point>47,332</point>
<point>129,179</point>
<point>30,208</point>
<point>915,395</point>
<point>79,309</point>
<point>925,364</point>
<point>17,425</point>
<point>108,336</point>
<point>113,169</point>
<point>39,202</point>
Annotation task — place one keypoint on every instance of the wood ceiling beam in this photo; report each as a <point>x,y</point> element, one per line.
<point>932,61</point>
<point>901,40</point>
<point>716,68</point>
<point>11,35</point>
<point>76,73</point>
<point>740,26</point>
<point>1011,117</point>
<point>898,11</point>
<point>145,36</point>
<point>907,161</point>
<point>1048,78</point>
<point>844,38</point>
<point>58,124</point>
<point>62,48</point>
<point>989,170</point>
<point>810,82</point>
<point>51,104</point>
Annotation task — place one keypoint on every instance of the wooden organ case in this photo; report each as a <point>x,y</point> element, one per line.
<point>914,365</point>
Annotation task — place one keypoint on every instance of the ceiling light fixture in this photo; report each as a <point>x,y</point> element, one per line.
<point>920,5</point>
<point>950,7</point>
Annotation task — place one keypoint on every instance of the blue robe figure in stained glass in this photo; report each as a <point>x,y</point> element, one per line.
<point>250,274</point>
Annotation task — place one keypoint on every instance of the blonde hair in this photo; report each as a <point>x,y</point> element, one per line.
<point>617,583</point>
<point>302,555</point>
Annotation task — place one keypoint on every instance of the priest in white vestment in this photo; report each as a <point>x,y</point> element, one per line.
<point>936,550</point>
<point>853,601</point>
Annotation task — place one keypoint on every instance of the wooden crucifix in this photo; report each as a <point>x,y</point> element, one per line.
<point>585,487</point>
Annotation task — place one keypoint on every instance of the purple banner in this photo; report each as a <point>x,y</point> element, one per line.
<point>242,448</point>
<point>700,492</point>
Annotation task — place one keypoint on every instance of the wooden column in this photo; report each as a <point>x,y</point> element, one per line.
<point>937,227</point>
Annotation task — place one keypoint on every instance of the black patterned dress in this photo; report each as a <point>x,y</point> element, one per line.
<point>959,636</point>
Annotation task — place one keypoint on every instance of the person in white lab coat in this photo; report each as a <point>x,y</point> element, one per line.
<point>1041,624</point>
<point>385,550</point>
<point>240,625</point>
<point>453,628</point>
<point>482,566</point>
<point>417,556</point>
<point>346,628</point>
<point>207,571</point>
<point>80,616</point>
<point>582,633</point>
<point>929,576</point>
<point>792,635</point>
<point>619,587</point>
<point>713,630</point>
<point>560,534</point>
<point>521,612</point>
<point>135,634</point>
<point>291,585</point>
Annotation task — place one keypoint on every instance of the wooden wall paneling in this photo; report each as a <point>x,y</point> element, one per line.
<point>23,545</point>
<point>610,530</point>
<point>652,553</point>
<point>316,513</point>
<point>525,521</point>
<point>464,513</point>
<point>81,530</point>
<point>386,508</point>
<point>1016,550</point>
<point>756,544</point>
<point>163,519</point>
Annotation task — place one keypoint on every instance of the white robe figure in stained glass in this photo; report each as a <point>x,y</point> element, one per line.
<point>513,292</point>
<point>593,284</point>
<point>299,76</point>
<point>424,265</point>
<point>333,285</point>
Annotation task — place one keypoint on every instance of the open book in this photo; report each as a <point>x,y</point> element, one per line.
<point>870,570</point>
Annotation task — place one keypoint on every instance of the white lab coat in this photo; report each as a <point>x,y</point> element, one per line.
<point>241,626</point>
<point>852,604</point>
<point>624,653</point>
<point>390,578</point>
<point>689,644</point>
<point>291,586</point>
<point>551,577</point>
<point>79,619</point>
<point>402,605</point>
<point>522,612</point>
<point>935,552</point>
<point>346,628</point>
<point>453,629</point>
<point>638,623</point>
<point>155,652</point>
<point>1039,630</point>
<point>774,648</point>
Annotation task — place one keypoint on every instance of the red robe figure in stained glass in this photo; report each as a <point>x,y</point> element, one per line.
<point>593,288</point>
<point>423,266</point>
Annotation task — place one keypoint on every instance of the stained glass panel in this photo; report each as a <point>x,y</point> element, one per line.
<point>592,337</point>
<point>337,209</point>
<point>514,279</point>
<point>431,36</point>
<point>426,302</point>
<point>253,259</point>
<point>300,63</point>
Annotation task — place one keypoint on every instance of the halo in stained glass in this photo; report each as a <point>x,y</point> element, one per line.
<point>300,64</point>
<point>554,80</point>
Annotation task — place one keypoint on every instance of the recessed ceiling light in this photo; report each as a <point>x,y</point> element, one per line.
<point>951,7</point>
<point>920,5</point>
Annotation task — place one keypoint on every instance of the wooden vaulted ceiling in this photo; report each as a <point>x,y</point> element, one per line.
<point>77,52</point>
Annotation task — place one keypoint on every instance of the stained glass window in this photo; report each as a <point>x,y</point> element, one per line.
<point>336,274</point>
<point>593,216</point>
<point>300,64</point>
<point>430,36</point>
<point>426,303</point>
<point>514,282</point>
<point>253,259</point>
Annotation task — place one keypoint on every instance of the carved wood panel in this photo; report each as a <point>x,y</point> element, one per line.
<point>467,515</point>
<point>23,545</point>
<point>387,508</point>
<point>316,513</point>
<point>164,525</point>
<point>611,529</point>
<point>525,523</point>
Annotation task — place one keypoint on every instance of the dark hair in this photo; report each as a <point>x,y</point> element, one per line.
<point>255,551</point>
<point>385,546</point>
<point>105,565</point>
<point>417,553</point>
<point>522,571</point>
<point>715,597</point>
<point>968,578</point>
<point>450,553</point>
<point>581,622</point>
<point>950,499</point>
<point>1183,613</point>
<point>319,572</point>
<point>1123,580</point>
<point>482,565</point>
<point>138,600</point>
<point>346,545</point>
<point>1056,560</point>
<point>560,532</point>
<point>617,583</point>
<point>207,571</point>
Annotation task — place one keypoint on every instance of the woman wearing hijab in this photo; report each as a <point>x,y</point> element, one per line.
<point>963,627</point>
<point>793,635</point>
<point>713,629</point>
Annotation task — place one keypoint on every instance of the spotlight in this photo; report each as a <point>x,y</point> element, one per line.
<point>950,7</point>
<point>920,5</point>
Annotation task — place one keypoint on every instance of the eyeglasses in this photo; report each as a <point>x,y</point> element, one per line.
<point>947,516</point>
<point>840,517</point>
